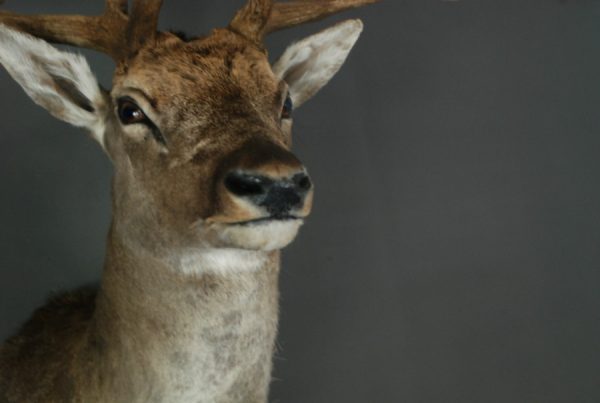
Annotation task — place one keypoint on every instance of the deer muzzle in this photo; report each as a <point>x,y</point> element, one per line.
<point>264,194</point>
<point>280,198</point>
<point>263,181</point>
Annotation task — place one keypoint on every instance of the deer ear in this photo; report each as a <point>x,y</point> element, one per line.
<point>60,82</point>
<point>308,65</point>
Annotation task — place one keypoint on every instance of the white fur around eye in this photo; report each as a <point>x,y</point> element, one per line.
<point>308,65</point>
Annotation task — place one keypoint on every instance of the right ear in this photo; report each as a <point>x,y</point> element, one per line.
<point>308,65</point>
<point>60,82</point>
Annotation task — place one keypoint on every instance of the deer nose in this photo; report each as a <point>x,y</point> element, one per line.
<point>280,197</point>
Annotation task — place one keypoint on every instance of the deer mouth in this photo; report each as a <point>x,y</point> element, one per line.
<point>269,219</point>
<point>264,233</point>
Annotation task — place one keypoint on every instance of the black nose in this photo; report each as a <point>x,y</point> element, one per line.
<point>278,196</point>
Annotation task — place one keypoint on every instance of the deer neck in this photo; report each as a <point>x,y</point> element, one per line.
<point>166,335</point>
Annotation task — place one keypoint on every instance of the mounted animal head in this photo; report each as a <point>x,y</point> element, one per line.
<point>199,130</point>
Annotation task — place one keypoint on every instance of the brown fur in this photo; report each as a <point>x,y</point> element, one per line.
<point>187,307</point>
<point>84,347</point>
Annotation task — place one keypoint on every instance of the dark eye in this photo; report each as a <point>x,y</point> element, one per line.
<point>130,113</point>
<point>288,107</point>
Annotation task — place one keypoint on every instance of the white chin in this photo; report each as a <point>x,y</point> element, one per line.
<point>262,235</point>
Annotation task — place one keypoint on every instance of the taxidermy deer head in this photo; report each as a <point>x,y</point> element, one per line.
<point>205,193</point>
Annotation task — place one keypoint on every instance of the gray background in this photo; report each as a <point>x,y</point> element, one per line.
<point>453,252</point>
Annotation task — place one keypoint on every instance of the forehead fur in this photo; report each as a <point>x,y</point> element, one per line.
<point>223,64</point>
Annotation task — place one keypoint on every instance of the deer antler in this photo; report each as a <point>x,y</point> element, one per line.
<point>114,32</point>
<point>120,34</point>
<point>292,13</point>
<point>251,19</point>
<point>261,17</point>
<point>143,23</point>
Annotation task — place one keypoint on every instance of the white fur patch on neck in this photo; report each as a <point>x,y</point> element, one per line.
<point>221,261</point>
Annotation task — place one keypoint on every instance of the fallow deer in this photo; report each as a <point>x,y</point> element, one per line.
<point>205,193</point>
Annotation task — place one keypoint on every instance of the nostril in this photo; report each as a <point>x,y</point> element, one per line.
<point>303,182</point>
<point>279,197</point>
<point>281,200</point>
<point>245,185</point>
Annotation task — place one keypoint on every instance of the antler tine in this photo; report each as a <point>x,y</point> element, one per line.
<point>116,5</point>
<point>251,19</point>
<point>112,33</point>
<point>143,22</point>
<point>101,33</point>
<point>292,13</point>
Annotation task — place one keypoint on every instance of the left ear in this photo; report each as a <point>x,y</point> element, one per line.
<point>308,65</point>
<point>61,82</point>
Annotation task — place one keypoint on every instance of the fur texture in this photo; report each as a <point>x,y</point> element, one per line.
<point>187,308</point>
<point>60,82</point>
<point>309,64</point>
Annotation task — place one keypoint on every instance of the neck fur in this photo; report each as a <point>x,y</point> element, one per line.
<point>199,328</point>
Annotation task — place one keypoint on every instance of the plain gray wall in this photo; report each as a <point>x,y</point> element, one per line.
<point>453,253</point>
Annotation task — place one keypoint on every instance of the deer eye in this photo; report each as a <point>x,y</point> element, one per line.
<point>288,107</point>
<point>130,113</point>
